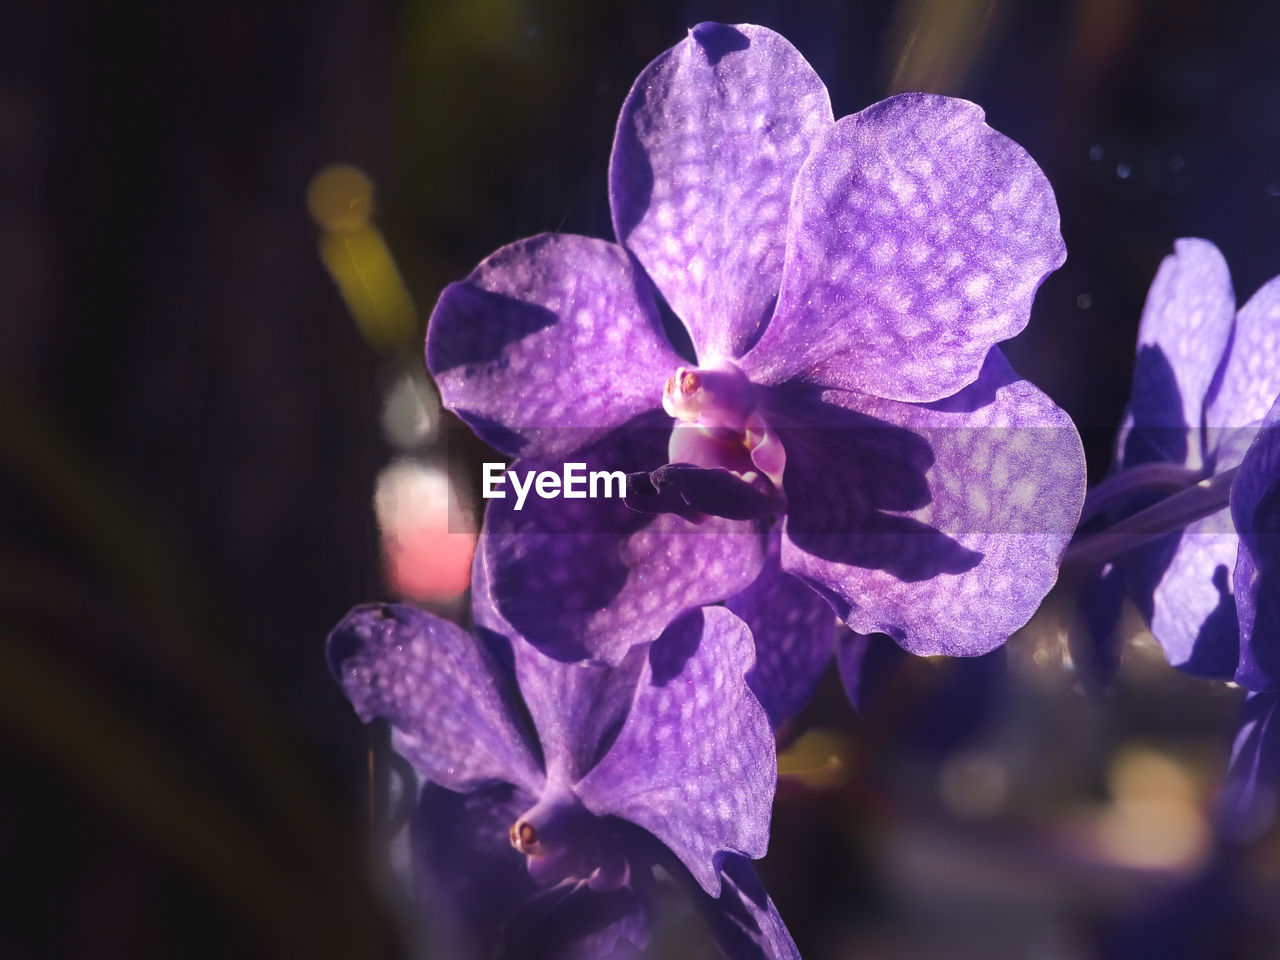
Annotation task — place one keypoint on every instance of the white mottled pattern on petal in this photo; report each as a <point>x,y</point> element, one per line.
<point>918,236</point>
<point>1251,378</point>
<point>1193,609</point>
<point>967,563</point>
<point>708,145</point>
<point>1186,325</point>
<point>453,718</point>
<point>592,578</point>
<point>576,705</point>
<point>695,763</point>
<point>549,344</point>
<point>794,630</point>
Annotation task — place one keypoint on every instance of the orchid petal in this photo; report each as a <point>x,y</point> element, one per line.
<point>1186,326</point>
<point>1255,511</point>
<point>917,239</point>
<point>794,631</point>
<point>454,719</point>
<point>868,663</point>
<point>590,578</point>
<point>744,919</point>
<point>694,763</point>
<point>548,345</point>
<point>939,524</point>
<point>708,145</point>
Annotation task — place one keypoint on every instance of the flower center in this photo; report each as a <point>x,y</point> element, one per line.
<point>562,840</point>
<point>719,424</point>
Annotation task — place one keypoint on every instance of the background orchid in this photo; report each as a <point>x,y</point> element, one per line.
<point>1206,377</point>
<point>542,842</point>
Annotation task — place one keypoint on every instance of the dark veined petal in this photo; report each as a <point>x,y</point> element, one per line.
<point>481,901</point>
<point>868,664</point>
<point>1094,634</point>
<point>743,918</point>
<point>549,344</point>
<point>1250,795</point>
<point>1255,511</point>
<point>694,763</point>
<point>917,239</point>
<point>597,594</point>
<point>794,631</point>
<point>708,145</point>
<point>468,877</point>
<point>448,702</point>
<point>694,492</point>
<point>939,524</point>
<point>578,924</point>
<point>1186,325</point>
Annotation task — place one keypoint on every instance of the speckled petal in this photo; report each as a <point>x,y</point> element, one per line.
<point>1251,375</point>
<point>444,696</point>
<point>1184,584</point>
<point>577,706</point>
<point>743,918</point>
<point>794,630</point>
<point>549,344</point>
<point>694,764</point>
<point>1186,325</point>
<point>707,149</point>
<point>1248,803</point>
<point>589,579</point>
<point>939,524</point>
<point>1255,511</point>
<point>1190,608</point>
<point>917,239</point>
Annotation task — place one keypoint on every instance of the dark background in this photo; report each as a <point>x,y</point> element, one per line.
<point>189,424</point>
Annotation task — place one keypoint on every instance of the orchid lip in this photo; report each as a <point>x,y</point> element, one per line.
<point>719,396</point>
<point>558,836</point>
<point>720,424</point>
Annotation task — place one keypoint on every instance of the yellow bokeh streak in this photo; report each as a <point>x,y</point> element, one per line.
<point>340,200</point>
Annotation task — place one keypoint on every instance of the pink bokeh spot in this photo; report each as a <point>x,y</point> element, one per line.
<point>427,538</point>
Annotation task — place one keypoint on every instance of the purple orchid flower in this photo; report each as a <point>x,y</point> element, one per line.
<point>543,842</point>
<point>1197,435</point>
<point>843,284</point>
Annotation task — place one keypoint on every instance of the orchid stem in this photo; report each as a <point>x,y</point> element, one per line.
<point>1162,478</point>
<point>1168,516</point>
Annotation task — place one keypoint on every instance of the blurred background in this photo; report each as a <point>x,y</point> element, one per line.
<point>222,227</point>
